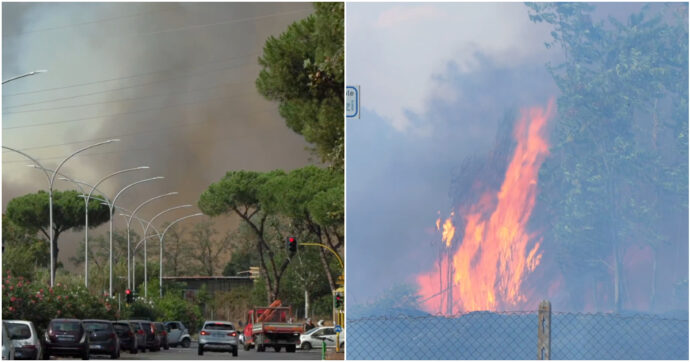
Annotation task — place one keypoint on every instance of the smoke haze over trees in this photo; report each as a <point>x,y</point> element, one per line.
<point>612,201</point>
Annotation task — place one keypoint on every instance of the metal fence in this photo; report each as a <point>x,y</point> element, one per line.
<point>514,335</point>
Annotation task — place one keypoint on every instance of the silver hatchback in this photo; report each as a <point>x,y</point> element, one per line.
<point>218,336</point>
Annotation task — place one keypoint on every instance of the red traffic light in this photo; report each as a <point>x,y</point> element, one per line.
<point>291,239</point>
<point>128,292</point>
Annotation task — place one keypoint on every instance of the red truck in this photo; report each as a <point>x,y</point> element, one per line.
<point>269,327</point>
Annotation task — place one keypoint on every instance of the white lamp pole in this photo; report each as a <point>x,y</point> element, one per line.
<point>24,75</point>
<point>160,272</point>
<point>51,180</point>
<point>129,221</point>
<point>146,276</point>
<point>110,258</point>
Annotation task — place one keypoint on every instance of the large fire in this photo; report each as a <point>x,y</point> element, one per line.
<point>488,269</point>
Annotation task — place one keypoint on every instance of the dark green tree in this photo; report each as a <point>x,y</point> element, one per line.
<point>619,159</point>
<point>31,212</point>
<point>303,69</point>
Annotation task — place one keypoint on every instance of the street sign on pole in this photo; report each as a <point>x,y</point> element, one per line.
<point>352,104</point>
<point>338,329</point>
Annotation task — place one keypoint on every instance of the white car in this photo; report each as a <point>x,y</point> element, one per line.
<point>24,339</point>
<point>218,336</point>
<point>7,347</point>
<point>314,338</point>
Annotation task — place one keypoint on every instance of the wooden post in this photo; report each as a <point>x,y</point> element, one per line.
<point>544,334</point>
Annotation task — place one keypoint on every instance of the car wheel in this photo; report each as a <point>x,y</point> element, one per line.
<point>85,355</point>
<point>234,352</point>
<point>260,348</point>
<point>113,355</point>
<point>277,348</point>
<point>247,347</point>
<point>306,346</point>
<point>46,355</point>
<point>186,343</point>
<point>133,350</point>
<point>201,350</point>
<point>291,348</point>
<point>166,347</point>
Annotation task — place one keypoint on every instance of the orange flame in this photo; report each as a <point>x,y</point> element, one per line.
<point>491,263</point>
<point>448,230</point>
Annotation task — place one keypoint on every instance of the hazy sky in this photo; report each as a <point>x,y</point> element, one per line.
<point>173,81</point>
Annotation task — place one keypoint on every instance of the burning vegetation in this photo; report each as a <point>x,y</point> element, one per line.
<point>486,270</point>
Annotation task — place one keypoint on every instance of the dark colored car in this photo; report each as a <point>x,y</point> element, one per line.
<point>153,343</point>
<point>139,334</point>
<point>66,337</point>
<point>162,334</point>
<point>128,339</point>
<point>102,337</point>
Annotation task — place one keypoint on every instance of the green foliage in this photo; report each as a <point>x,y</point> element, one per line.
<point>619,159</point>
<point>303,69</point>
<point>173,307</point>
<point>23,252</point>
<point>31,212</point>
<point>26,300</point>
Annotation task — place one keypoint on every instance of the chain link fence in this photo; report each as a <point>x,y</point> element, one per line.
<point>513,335</point>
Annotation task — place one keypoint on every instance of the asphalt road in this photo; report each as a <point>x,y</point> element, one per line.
<point>191,354</point>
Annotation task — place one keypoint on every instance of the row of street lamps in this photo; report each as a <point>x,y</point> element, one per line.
<point>111,206</point>
<point>51,175</point>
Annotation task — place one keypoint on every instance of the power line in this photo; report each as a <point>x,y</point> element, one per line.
<point>126,77</point>
<point>157,130</point>
<point>127,113</point>
<point>175,145</point>
<point>97,21</point>
<point>204,71</point>
<point>189,91</point>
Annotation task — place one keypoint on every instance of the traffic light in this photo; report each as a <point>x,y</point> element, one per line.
<point>339,299</point>
<point>291,244</point>
<point>130,296</point>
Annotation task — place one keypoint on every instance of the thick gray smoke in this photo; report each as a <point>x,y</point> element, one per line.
<point>173,81</point>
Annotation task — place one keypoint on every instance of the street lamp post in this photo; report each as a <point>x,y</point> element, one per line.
<point>86,225</point>
<point>146,276</point>
<point>129,221</point>
<point>51,180</point>
<point>160,271</point>
<point>110,257</point>
<point>24,75</point>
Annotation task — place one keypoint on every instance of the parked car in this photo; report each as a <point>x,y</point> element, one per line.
<point>66,337</point>
<point>314,338</point>
<point>102,336</point>
<point>162,335</point>
<point>7,346</point>
<point>128,339</point>
<point>27,344</point>
<point>139,333</point>
<point>218,336</point>
<point>178,334</point>
<point>153,342</point>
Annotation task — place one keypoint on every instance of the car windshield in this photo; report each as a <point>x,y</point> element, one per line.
<point>18,330</point>
<point>97,326</point>
<point>218,326</point>
<point>65,326</point>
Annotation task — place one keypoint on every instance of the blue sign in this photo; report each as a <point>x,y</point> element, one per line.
<point>338,329</point>
<point>352,101</point>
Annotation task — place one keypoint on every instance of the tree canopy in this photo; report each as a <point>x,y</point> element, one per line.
<point>303,69</point>
<point>31,212</point>
<point>306,202</point>
<point>619,161</point>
